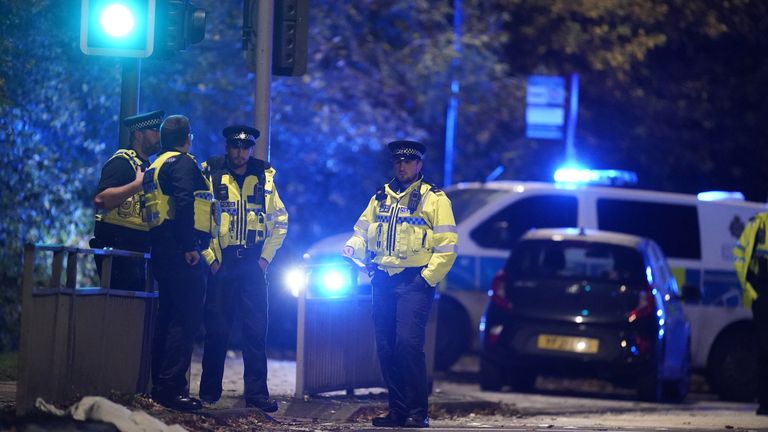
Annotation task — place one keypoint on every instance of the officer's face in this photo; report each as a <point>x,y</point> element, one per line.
<point>238,156</point>
<point>151,141</point>
<point>406,170</point>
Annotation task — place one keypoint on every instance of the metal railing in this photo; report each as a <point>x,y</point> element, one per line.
<point>78,341</point>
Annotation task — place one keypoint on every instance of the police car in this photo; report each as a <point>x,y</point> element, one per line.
<point>696,232</point>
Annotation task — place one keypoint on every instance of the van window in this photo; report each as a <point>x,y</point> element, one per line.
<point>674,227</point>
<point>467,201</point>
<point>502,229</point>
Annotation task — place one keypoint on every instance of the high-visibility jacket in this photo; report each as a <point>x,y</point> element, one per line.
<point>412,228</point>
<point>752,246</point>
<point>252,216</point>
<point>160,207</point>
<point>128,214</point>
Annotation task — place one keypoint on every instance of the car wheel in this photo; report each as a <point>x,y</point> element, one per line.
<point>676,390</point>
<point>522,380</point>
<point>490,377</point>
<point>732,366</point>
<point>649,384</point>
<point>453,333</point>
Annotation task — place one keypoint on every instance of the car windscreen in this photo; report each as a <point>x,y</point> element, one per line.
<point>532,259</point>
<point>467,201</point>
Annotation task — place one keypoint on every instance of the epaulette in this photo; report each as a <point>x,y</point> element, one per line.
<point>256,166</point>
<point>381,195</point>
<point>433,188</point>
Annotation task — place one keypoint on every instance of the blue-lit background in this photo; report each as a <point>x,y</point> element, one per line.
<point>674,93</point>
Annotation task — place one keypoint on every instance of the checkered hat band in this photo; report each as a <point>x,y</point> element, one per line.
<point>408,152</point>
<point>145,124</point>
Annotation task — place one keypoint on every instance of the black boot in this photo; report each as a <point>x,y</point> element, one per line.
<point>266,405</point>
<point>416,422</point>
<point>389,420</point>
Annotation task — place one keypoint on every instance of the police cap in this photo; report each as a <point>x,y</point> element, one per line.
<point>408,150</point>
<point>241,136</point>
<point>150,120</point>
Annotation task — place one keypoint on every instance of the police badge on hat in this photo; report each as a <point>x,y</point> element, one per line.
<point>150,120</point>
<point>407,150</point>
<point>241,136</point>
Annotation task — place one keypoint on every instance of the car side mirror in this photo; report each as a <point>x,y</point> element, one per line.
<point>691,293</point>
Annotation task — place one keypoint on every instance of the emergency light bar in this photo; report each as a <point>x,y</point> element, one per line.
<point>589,176</point>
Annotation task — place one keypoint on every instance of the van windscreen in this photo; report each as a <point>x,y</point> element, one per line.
<point>467,201</point>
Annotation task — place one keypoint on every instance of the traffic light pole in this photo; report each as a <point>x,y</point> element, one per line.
<point>129,95</point>
<point>263,71</point>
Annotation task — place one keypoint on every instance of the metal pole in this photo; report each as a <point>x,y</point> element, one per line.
<point>129,95</point>
<point>573,113</point>
<point>453,104</point>
<point>262,95</point>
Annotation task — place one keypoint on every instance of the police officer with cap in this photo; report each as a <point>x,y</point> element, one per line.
<point>408,234</point>
<point>254,223</point>
<point>118,201</point>
<point>182,217</point>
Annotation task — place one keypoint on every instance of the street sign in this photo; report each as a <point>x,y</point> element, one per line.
<point>545,107</point>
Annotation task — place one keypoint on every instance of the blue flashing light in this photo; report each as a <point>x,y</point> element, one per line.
<point>661,334</point>
<point>575,175</point>
<point>334,282</point>
<point>720,196</point>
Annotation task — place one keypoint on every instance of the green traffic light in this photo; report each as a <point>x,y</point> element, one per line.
<point>117,20</point>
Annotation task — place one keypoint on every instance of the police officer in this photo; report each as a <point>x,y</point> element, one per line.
<point>409,230</point>
<point>118,201</point>
<point>181,214</point>
<point>752,269</point>
<point>254,224</point>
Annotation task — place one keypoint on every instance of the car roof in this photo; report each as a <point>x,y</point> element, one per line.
<point>585,235</point>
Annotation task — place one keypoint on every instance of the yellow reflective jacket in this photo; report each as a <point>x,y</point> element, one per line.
<point>159,206</point>
<point>128,213</point>
<point>752,243</point>
<point>413,228</point>
<point>253,216</point>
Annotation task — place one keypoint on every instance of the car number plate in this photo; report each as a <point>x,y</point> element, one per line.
<point>568,343</point>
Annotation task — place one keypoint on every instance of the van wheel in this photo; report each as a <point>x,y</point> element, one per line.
<point>490,376</point>
<point>453,333</point>
<point>732,365</point>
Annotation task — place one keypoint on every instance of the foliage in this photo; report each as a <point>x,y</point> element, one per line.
<point>670,89</point>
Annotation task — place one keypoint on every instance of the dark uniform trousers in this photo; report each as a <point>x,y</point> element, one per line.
<point>239,284</point>
<point>182,290</point>
<point>401,305</point>
<point>127,273</point>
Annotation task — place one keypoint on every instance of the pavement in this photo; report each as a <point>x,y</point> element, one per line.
<point>457,403</point>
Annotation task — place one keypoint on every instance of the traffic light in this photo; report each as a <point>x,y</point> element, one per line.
<point>139,28</point>
<point>289,37</point>
<point>121,28</point>
<point>290,32</point>
<point>179,25</point>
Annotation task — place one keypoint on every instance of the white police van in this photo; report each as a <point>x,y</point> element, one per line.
<point>697,234</point>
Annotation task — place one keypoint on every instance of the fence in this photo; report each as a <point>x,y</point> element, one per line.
<point>81,341</point>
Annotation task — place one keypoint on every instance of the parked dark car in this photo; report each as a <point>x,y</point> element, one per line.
<point>583,303</point>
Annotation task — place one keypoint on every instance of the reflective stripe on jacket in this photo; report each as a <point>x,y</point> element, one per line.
<point>400,238</point>
<point>752,243</point>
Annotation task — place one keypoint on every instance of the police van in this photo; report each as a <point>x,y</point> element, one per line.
<point>696,232</point>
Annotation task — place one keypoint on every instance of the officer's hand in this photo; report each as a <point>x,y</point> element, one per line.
<point>139,176</point>
<point>192,257</point>
<point>263,264</point>
<point>215,266</point>
<point>348,251</point>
